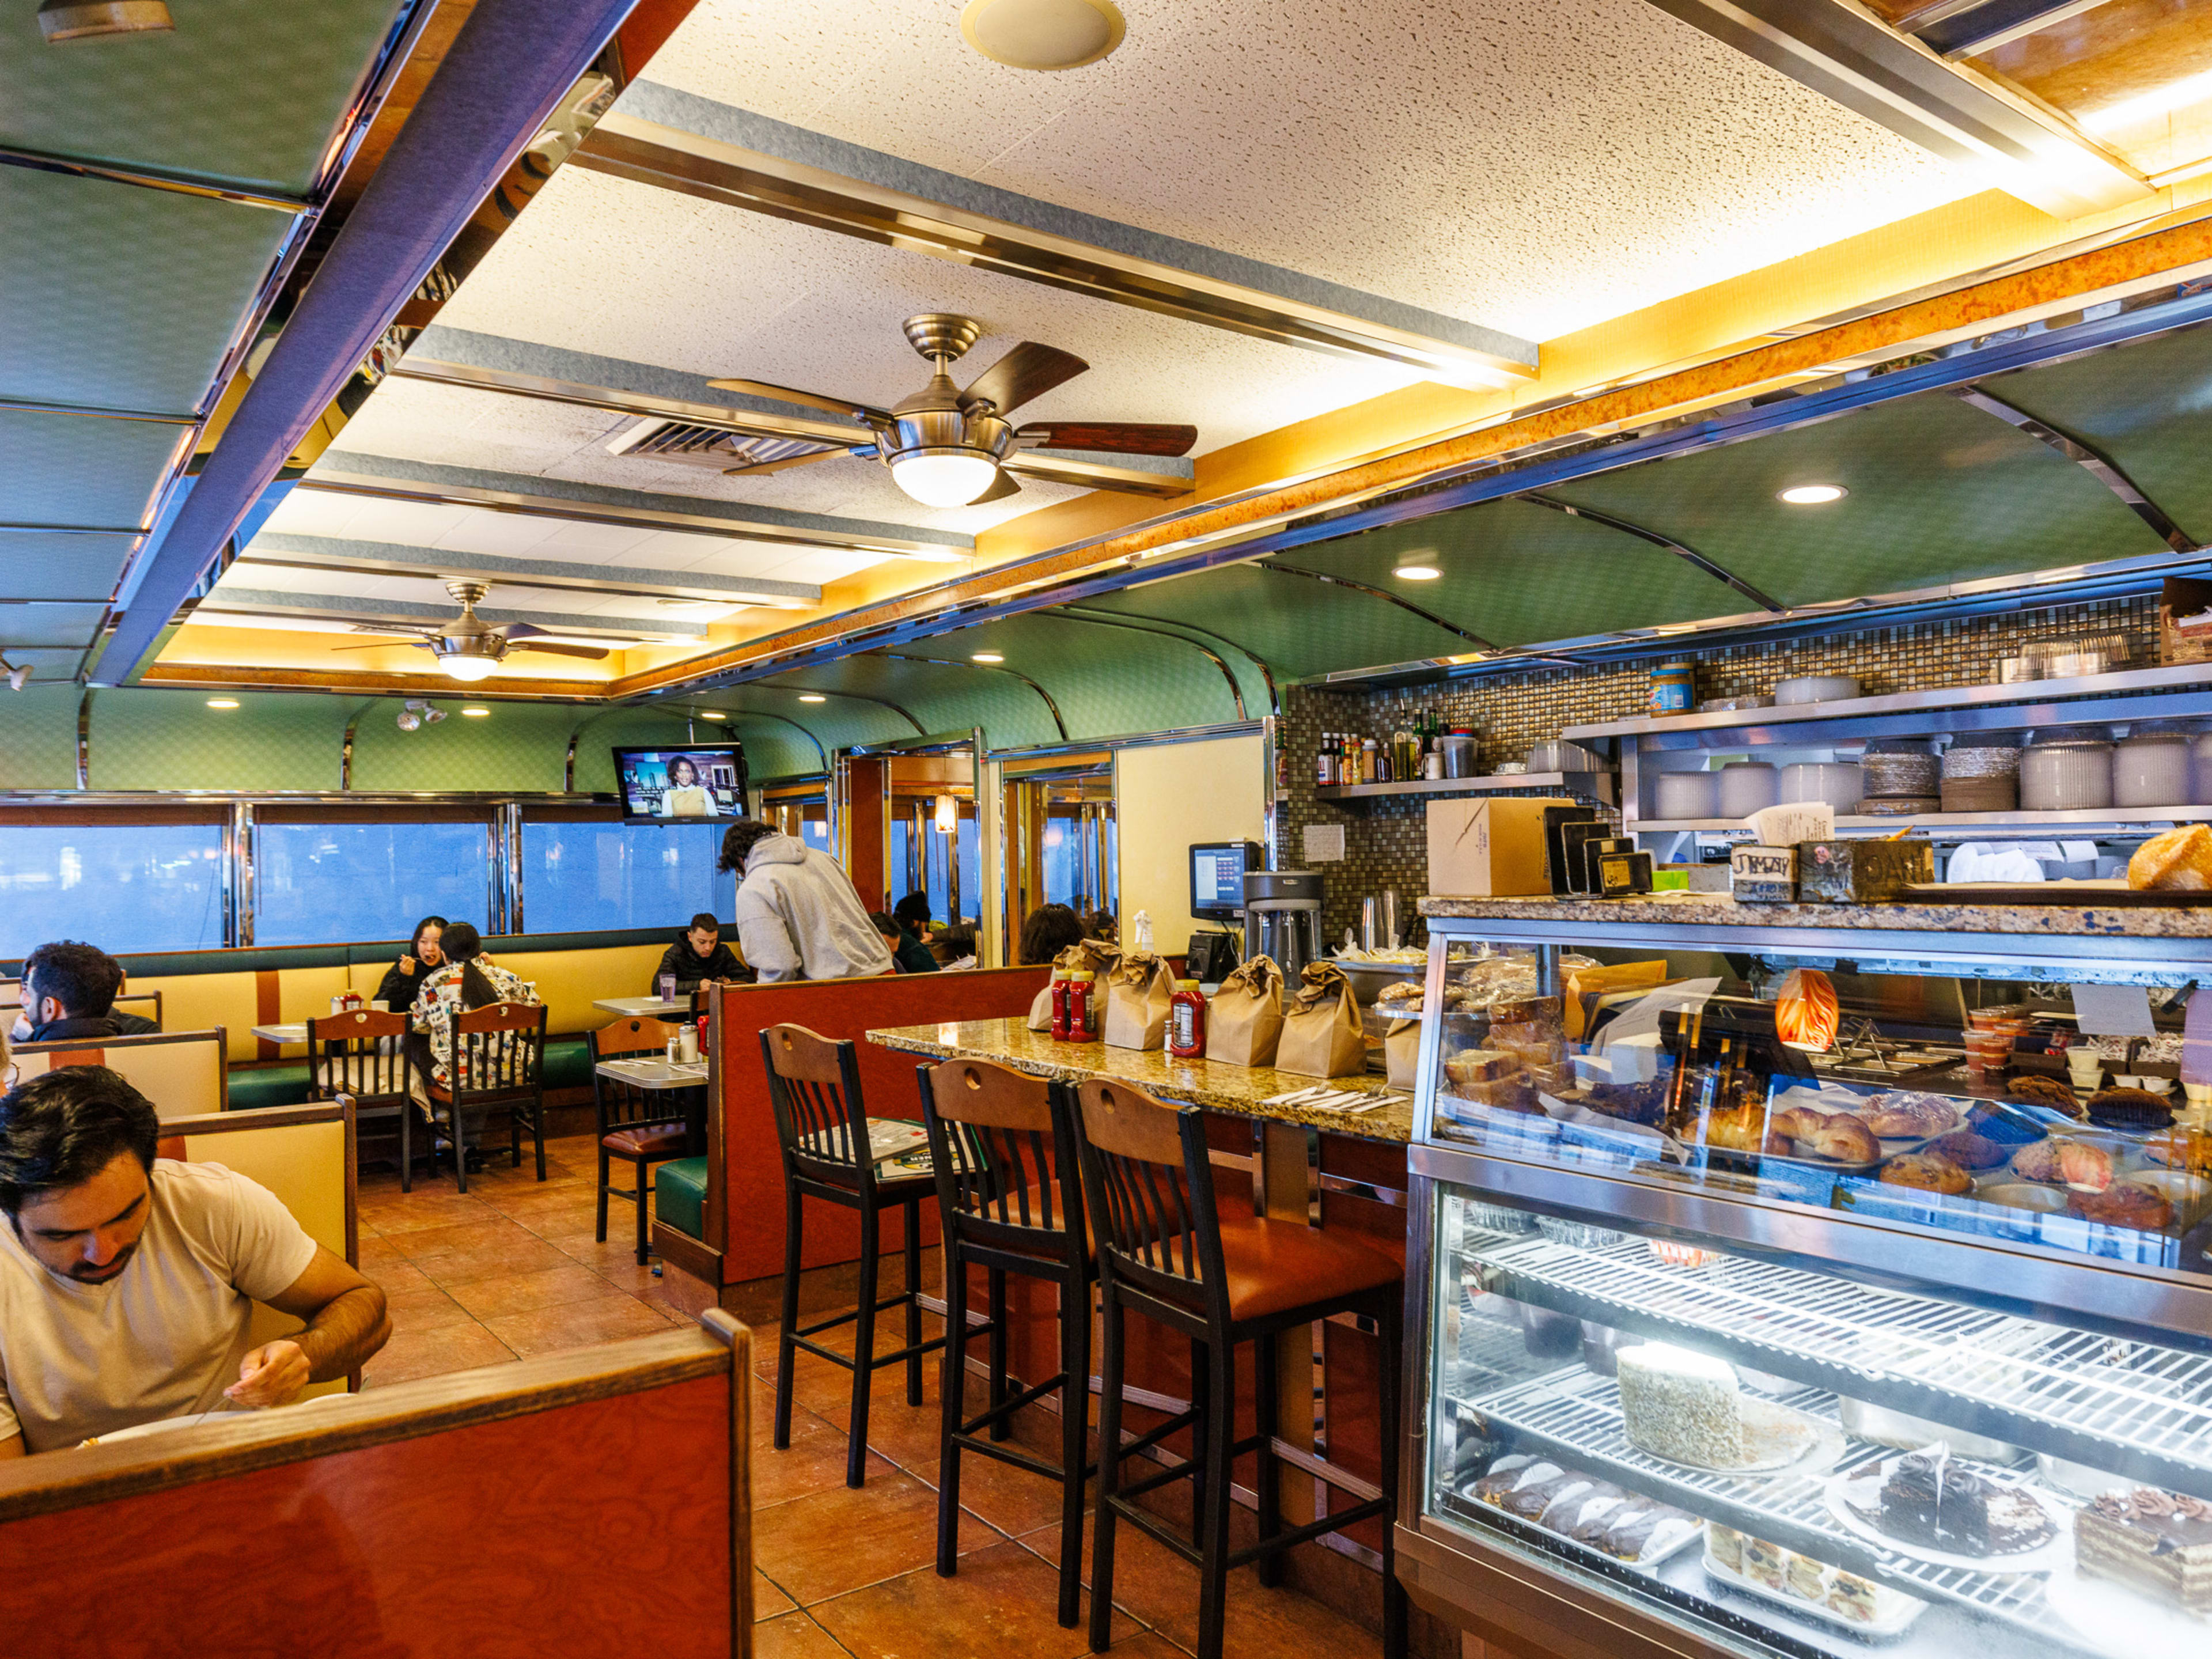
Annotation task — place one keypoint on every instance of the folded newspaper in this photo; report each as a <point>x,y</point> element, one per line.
<point>888,1138</point>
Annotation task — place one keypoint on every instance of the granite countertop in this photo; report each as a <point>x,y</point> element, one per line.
<point>1707,909</point>
<point>1243,1091</point>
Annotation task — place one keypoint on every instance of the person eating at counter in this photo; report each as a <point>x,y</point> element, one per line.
<point>700,957</point>
<point>128,1281</point>
<point>797,915</point>
<point>402,981</point>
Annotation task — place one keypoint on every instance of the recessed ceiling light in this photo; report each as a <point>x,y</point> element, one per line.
<point>476,714</point>
<point>1416,573</point>
<point>222,703</point>
<point>90,20</point>
<point>1812,494</point>
<point>1042,35</point>
<point>812,697</point>
<point>711,714</point>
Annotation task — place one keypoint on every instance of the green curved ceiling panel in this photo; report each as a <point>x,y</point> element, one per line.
<point>518,745</point>
<point>38,737</point>
<point>1251,681</point>
<point>839,723</point>
<point>68,469</point>
<point>63,567</point>
<point>243,92</point>
<point>1298,626</point>
<point>1940,492</point>
<point>2148,408</point>
<point>942,697</point>
<point>54,626</point>
<point>146,737</point>
<point>88,320</point>
<point>1106,680</point>
<point>1517,574</point>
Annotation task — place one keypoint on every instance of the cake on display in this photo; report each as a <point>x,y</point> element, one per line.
<point>2150,1540</point>
<point>1683,1405</point>
<point>1929,1499</point>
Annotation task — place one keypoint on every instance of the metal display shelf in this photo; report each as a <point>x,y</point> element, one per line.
<point>1984,826</point>
<point>1597,785</point>
<point>1575,1418</point>
<point>1991,1374</point>
<point>2125,683</point>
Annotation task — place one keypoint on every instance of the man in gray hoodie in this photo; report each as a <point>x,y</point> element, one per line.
<point>798,914</point>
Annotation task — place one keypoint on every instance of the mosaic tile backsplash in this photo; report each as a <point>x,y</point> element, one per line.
<point>1385,839</point>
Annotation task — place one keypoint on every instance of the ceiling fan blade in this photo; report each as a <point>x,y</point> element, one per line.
<point>411,636</point>
<point>1029,370</point>
<point>1048,466</point>
<point>758,468</point>
<point>589,653</point>
<point>1124,437</point>
<point>847,407</point>
<point>999,491</point>
<point>383,645</point>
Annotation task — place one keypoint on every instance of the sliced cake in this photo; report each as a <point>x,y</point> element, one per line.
<point>1684,1406</point>
<point>2151,1541</point>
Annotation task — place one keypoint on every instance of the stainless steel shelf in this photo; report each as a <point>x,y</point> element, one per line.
<point>1574,1417</point>
<point>1597,785</point>
<point>2185,677</point>
<point>1988,825</point>
<point>1985,1372</point>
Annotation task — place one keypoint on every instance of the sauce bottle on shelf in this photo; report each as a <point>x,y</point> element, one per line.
<point>1186,1020</point>
<point>1059,977</point>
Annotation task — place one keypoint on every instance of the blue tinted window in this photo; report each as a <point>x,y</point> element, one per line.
<point>139,887</point>
<point>582,878</point>
<point>326,884</point>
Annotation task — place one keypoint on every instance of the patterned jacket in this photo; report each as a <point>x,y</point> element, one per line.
<point>439,1004</point>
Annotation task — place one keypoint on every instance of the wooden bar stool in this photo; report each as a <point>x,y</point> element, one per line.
<point>642,1125</point>
<point>822,1126</point>
<point>1002,1148</point>
<point>1166,1253</point>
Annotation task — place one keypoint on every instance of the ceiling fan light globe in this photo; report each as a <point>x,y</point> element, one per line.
<point>409,720</point>
<point>1042,35</point>
<point>468,668</point>
<point>944,480</point>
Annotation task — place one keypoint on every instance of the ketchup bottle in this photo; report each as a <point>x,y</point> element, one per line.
<point>1186,1020</point>
<point>1060,1004</point>
<point>1078,1006</point>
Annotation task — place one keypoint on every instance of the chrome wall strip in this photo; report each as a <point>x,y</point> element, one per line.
<point>178,184</point>
<point>673,152</point>
<point>71,530</point>
<point>23,406</point>
<point>1051,706</point>
<point>1107,619</point>
<point>242,891</point>
<point>511,866</point>
<point>1992,24</point>
<point>1474,640</point>
<point>1764,601</point>
<point>84,739</point>
<point>2098,465</point>
<point>1394,1196</point>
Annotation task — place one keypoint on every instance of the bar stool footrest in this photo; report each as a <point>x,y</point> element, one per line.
<point>1312,1530</point>
<point>1323,1470</point>
<point>1026,1397</point>
<point>1019,1459</point>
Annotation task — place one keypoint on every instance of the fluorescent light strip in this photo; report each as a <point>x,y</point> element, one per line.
<point>2191,88</point>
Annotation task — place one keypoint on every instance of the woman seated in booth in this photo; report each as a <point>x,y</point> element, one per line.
<point>469,980</point>
<point>403,981</point>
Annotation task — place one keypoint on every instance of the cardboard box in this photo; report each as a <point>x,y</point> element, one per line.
<point>1762,875</point>
<point>1489,848</point>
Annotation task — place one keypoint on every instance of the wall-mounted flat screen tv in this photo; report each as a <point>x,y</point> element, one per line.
<point>678,786</point>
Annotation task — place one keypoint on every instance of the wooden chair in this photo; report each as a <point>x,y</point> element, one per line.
<point>498,1061</point>
<point>646,1126</point>
<point>822,1127</point>
<point>1002,1148</point>
<point>364,1054</point>
<point>1166,1253</point>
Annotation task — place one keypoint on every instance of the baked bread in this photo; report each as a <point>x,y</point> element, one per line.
<point>1902,1116</point>
<point>1404,990</point>
<point>2035,1090</point>
<point>1928,1171</point>
<point>1743,1131</point>
<point>2130,1109</point>
<point>1847,1138</point>
<point>2123,1206</point>
<point>1968,1150</point>
<point>2179,861</point>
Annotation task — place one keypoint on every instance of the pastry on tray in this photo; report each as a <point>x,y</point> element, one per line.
<point>2149,1540</point>
<point>2179,861</point>
<point>2059,1163</point>
<point>1743,1131</point>
<point>1844,1137</point>
<point>1968,1150</point>
<point>1928,1171</point>
<point>1642,1530</point>
<point>1901,1115</point>
<point>1725,1545</point>
<point>1854,1597</point>
<point>2122,1205</point>
<point>1928,1498</point>
<point>1765,1564</point>
<point>2036,1091</point>
<point>2130,1109</point>
<point>2008,1128</point>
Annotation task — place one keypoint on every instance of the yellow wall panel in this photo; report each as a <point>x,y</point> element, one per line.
<point>1165,798</point>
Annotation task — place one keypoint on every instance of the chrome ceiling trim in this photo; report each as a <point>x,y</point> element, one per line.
<point>736,528</point>
<point>1764,601</point>
<point>133,530</point>
<point>647,152</point>
<point>2095,462</point>
<point>1051,707</point>
<point>176,184</point>
<point>397,559</point>
<point>820,752</point>
<point>1985,24</point>
<point>812,691</point>
<point>1236,691</point>
<point>513,384</point>
<point>28,406</point>
<point>1382,594</point>
<point>1171,623</point>
<point>346,609</point>
<point>1132,740</point>
<point>1851,59</point>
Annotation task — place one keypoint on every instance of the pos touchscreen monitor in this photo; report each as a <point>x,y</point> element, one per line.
<point>1217,878</point>
<point>674,785</point>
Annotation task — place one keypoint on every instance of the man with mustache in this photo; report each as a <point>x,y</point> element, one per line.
<point>127,1281</point>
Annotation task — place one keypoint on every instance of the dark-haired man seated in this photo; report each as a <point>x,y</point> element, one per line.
<point>127,1281</point>
<point>700,957</point>
<point>69,991</point>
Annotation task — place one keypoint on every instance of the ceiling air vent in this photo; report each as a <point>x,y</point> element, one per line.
<point>709,447</point>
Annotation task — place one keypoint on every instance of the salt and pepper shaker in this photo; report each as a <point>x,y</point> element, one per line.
<point>1390,918</point>
<point>1367,913</point>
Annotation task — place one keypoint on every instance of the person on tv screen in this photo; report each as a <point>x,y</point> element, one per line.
<point>685,796</point>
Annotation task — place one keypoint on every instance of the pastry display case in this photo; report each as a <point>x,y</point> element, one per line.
<point>1756,1308</point>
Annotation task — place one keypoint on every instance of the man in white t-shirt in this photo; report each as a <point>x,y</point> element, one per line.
<point>127,1281</point>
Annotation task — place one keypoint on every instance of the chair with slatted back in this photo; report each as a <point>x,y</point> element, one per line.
<point>1166,1252</point>
<point>1002,1148</point>
<point>498,1063</point>
<point>646,1126</point>
<point>363,1053</point>
<point>822,1126</point>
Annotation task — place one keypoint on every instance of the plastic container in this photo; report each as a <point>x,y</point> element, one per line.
<point>1671,692</point>
<point>1186,1020</point>
<point>1457,748</point>
<point>1686,795</point>
<point>1836,782</point>
<point>668,987</point>
<point>1814,687</point>
<point>2151,769</point>
<point>2070,775</point>
<point>1747,786</point>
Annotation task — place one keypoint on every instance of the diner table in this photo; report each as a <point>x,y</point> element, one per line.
<point>653,1072</point>
<point>291,1031</point>
<point>643,1007</point>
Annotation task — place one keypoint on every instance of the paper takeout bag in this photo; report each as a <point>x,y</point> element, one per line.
<point>1401,1051</point>
<point>1586,984</point>
<point>1092,956</point>
<point>1137,995</point>
<point>1322,1032</point>
<point>1244,1021</point>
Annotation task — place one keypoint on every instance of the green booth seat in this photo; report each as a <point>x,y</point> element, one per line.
<point>568,1062</point>
<point>268,1086</point>
<point>679,1195</point>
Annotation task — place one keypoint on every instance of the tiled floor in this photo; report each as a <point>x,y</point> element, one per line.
<point>512,1268</point>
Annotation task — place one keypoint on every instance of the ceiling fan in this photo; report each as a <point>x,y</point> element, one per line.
<point>949,447</point>
<point>469,649</point>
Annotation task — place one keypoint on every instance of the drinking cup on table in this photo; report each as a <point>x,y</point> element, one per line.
<point>2088,1070</point>
<point>668,987</point>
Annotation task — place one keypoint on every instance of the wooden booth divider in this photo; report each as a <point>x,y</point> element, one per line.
<point>743,1220</point>
<point>437,1519</point>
